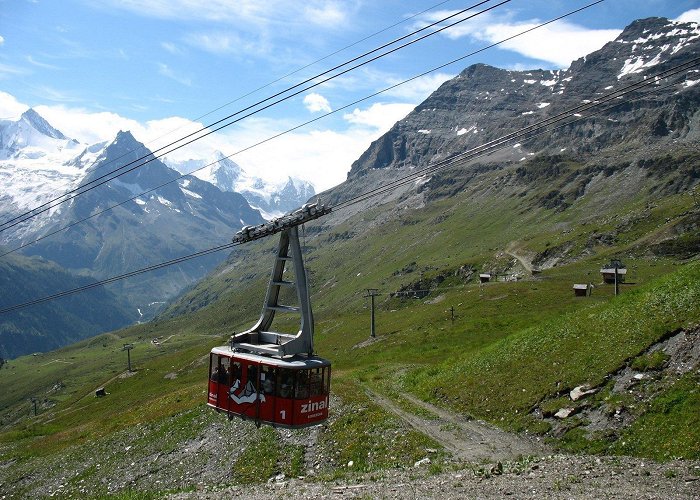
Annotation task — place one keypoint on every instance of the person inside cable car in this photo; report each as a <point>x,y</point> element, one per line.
<point>235,372</point>
<point>268,379</point>
<point>250,386</point>
<point>302,385</point>
<point>215,374</point>
<point>315,383</point>
<point>285,383</point>
<point>224,375</point>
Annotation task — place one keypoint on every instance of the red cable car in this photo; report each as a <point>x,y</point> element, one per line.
<point>271,377</point>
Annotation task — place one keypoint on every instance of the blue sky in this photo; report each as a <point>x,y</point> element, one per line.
<point>155,67</point>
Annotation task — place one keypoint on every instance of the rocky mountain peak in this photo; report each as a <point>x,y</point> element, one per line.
<point>484,103</point>
<point>36,121</point>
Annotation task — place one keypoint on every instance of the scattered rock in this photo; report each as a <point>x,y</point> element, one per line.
<point>580,392</point>
<point>421,462</point>
<point>565,412</point>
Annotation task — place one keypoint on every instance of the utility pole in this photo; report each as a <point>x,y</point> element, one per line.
<point>128,348</point>
<point>372,293</point>
<point>616,286</point>
<point>452,312</point>
<point>34,403</point>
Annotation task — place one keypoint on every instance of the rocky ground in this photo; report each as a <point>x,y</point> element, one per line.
<point>629,389</point>
<point>195,453</point>
<point>554,476</point>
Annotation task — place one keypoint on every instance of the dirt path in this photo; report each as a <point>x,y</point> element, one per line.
<point>469,440</point>
<point>524,261</point>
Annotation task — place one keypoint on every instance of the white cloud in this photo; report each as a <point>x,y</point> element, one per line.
<point>167,72</point>
<point>171,47</point>
<point>320,155</point>
<point>419,89</point>
<point>242,13</point>
<point>229,43</point>
<point>572,41</point>
<point>325,13</point>
<point>10,108</point>
<point>691,16</point>
<point>85,126</point>
<point>379,116</point>
<point>39,64</point>
<point>7,71</point>
<point>55,95</point>
<point>2,40</point>
<point>316,103</point>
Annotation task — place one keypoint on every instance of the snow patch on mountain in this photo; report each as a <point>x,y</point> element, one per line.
<point>272,199</point>
<point>37,163</point>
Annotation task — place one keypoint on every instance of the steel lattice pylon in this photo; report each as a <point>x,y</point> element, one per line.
<point>259,339</point>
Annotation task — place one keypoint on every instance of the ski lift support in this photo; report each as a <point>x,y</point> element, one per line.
<point>259,339</point>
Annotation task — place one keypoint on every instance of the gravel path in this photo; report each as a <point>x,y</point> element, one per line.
<point>469,440</point>
<point>554,476</point>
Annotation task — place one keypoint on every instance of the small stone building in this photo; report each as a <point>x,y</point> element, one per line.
<point>608,274</point>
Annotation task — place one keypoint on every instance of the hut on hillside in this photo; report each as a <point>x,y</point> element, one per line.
<point>608,272</point>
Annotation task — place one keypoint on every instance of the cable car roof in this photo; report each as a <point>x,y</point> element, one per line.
<point>298,361</point>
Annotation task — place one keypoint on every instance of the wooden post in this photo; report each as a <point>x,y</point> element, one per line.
<point>371,293</point>
<point>128,348</point>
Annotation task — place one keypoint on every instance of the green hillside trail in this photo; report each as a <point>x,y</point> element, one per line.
<point>469,440</point>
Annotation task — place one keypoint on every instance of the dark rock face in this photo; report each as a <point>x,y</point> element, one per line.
<point>484,103</point>
<point>175,217</point>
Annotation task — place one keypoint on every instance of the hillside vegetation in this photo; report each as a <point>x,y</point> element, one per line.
<point>512,347</point>
<point>521,355</point>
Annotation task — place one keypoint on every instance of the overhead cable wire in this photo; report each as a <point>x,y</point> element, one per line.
<point>521,134</point>
<point>224,122</point>
<point>545,124</point>
<point>425,73</point>
<point>254,91</point>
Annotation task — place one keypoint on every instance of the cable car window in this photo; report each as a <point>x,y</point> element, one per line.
<point>316,381</point>
<point>326,380</point>
<point>301,388</point>
<point>224,370</point>
<point>251,385</point>
<point>235,372</point>
<point>267,379</point>
<point>214,367</point>
<point>285,382</point>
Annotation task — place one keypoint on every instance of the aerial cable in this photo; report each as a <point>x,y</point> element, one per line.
<point>300,126</point>
<point>495,145</point>
<point>521,134</point>
<point>254,91</point>
<point>218,124</point>
<point>120,277</point>
<point>151,157</point>
<point>648,81</point>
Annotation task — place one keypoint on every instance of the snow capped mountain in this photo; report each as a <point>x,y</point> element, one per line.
<point>32,137</point>
<point>485,103</point>
<point>36,162</point>
<point>155,214</point>
<point>272,199</point>
<point>653,41</point>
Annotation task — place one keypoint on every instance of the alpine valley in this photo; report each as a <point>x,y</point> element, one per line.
<point>176,215</point>
<point>506,384</point>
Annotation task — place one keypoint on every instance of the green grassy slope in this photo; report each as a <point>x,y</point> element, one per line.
<point>510,346</point>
